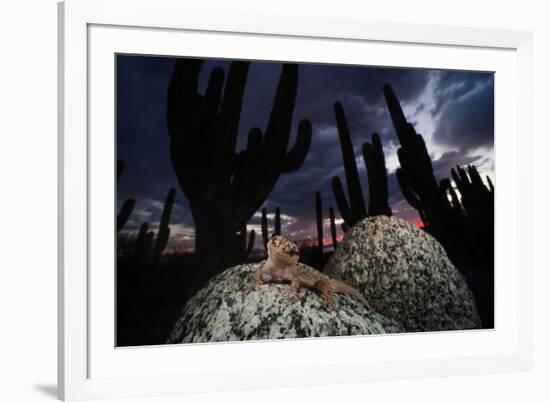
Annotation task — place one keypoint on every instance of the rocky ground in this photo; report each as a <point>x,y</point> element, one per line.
<point>404,273</point>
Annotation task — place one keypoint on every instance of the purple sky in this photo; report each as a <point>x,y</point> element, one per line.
<point>453,110</point>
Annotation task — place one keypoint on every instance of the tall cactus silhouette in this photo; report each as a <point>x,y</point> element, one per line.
<point>464,225</point>
<point>225,188</point>
<point>164,230</point>
<point>373,155</point>
<point>415,176</point>
<point>354,210</point>
<point>128,205</point>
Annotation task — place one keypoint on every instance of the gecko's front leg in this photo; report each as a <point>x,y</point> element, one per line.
<point>257,281</point>
<point>294,288</point>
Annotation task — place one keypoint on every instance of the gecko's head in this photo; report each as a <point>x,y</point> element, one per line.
<point>282,251</point>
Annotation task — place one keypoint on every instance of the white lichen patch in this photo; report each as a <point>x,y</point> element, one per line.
<point>405,275</point>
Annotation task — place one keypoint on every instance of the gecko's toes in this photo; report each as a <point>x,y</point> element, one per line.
<point>329,303</point>
<point>292,293</point>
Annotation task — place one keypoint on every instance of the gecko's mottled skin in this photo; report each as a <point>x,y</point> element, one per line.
<point>282,264</point>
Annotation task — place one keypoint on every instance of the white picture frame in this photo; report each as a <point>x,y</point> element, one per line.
<point>89,367</point>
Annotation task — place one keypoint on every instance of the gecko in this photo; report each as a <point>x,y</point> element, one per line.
<point>282,264</point>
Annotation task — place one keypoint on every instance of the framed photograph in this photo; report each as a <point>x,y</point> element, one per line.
<point>251,201</point>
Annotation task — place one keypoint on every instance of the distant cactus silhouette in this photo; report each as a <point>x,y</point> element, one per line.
<point>333,227</point>
<point>265,225</point>
<point>225,188</point>
<point>277,222</point>
<point>250,244</point>
<point>164,230</point>
<point>319,215</point>
<point>265,228</point>
<point>373,155</point>
<point>128,205</point>
<point>143,244</point>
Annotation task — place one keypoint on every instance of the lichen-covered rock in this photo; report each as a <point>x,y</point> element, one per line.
<point>405,274</point>
<point>228,309</point>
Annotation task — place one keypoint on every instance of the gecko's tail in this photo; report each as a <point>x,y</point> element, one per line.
<point>341,287</point>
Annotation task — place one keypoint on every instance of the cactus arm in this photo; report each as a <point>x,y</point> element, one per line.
<point>297,155</point>
<point>230,113</point>
<point>210,121</point>
<point>447,188</point>
<point>396,113</point>
<point>183,114</point>
<point>408,193</point>
<point>456,179</point>
<point>278,127</point>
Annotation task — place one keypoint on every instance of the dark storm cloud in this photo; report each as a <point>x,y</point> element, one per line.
<point>457,105</point>
<point>142,137</point>
<point>464,110</point>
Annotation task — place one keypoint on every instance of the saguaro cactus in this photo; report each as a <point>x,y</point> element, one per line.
<point>415,176</point>
<point>373,155</point>
<point>224,188</point>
